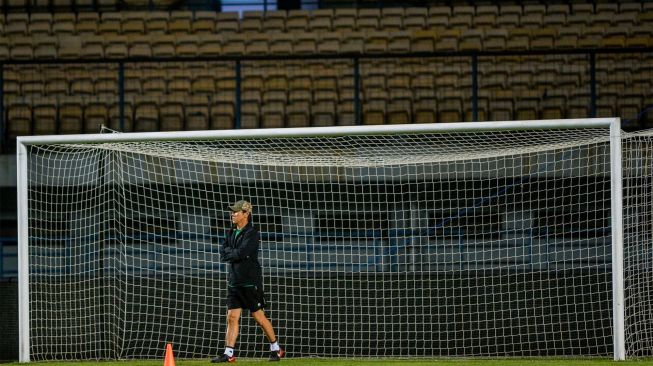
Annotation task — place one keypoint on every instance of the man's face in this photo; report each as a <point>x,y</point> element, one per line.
<point>239,218</point>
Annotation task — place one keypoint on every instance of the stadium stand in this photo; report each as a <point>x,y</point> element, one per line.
<point>537,76</point>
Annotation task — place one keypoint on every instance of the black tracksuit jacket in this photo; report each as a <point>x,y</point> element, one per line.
<point>241,254</point>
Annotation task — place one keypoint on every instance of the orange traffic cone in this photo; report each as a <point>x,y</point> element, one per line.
<point>170,358</point>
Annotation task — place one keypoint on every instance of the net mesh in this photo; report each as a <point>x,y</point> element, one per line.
<point>638,251</point>
<point>451,244</point>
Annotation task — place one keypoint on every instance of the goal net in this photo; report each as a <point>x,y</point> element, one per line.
<point>489,239</point>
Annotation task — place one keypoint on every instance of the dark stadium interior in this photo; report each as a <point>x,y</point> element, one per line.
<point>75,66</point>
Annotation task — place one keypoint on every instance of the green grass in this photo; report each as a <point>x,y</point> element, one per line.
<point>376,362</point>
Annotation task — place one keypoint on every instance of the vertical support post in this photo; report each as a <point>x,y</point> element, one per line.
<point>617,242</point>
<point>23,254</point>
<point>474,87</point>
<point>2,255</point>
<point>237,124</point>
<point>121,94</point>
<point>3,137</point>
<point>592,85</point>
<point>357,91</point>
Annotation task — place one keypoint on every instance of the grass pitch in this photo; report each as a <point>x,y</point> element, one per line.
<point>372,362</point>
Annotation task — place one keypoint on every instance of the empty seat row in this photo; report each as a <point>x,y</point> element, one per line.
<point>78,115</point>
<point>309,77</point>
<point>323,20</point>
<point>445,40</point>
<point>305,89</point>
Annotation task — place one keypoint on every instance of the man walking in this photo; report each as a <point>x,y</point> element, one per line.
<point>245,289</point>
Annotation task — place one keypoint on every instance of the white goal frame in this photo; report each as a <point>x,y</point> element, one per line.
<point>613,124</point>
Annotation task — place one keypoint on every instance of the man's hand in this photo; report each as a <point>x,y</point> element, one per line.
<point>226,254</point>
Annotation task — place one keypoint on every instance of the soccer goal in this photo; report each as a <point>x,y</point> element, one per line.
<point>494,239</point>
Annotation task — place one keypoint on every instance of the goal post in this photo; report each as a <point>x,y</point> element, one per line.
<point>488,239</point>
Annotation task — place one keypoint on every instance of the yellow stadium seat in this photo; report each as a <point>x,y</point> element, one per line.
<point>186,45</point>
<point>106,85</point>
<point>171,113</point>
<point>116,46</point>
<point>543,38</point>
<point>96,115</point>
<point>222,111</point>
<point>297,20</point>
<point>376,42</point>
<point>274,21</point>
<point>227,22</point>
<point>162,45</point>
<point>154,82</point>
<point>567,38</point>
<point>328,42</point>
<point>40,24</point>
<point>344,19</point>
<point>156,22</point>
<point>450,106</point>
<point>63,24</point>
<point>32,84</point>
<point>71,115</point>
<point>352,42</point>
<point>391,19</point>
<point>16,24</point>
<point>56,85</point>
<point>368,19</point>
<point>139,46</point>
<point>324,113</point>
<point>424,106</point>
<point>298,114</point>
<point>273,114</point>
<point>527,105</point>
<point>204,22</point>
<point>180,22</point>
<point>234,44</point>
<point>133,22</point>
<point>257,44</point>
<point>507,20</point>
<point>179,82</point>
<point>345,113</point>
<point>19,118</point>
<point>321,20</point>
<point>115,119</point>
<point>495,39</point>
<point>447,40</point>
<point>209,44</point>
<point>399,41</point>
<point>438,17</point>
<point>21,48</point>
<point>399,107</point>
<point>146,113</point>
<point>423,41</point>
<point>203,84</point>
<point>45,116</point>
<point>305,43</point>
<point>252,21</point>
<point>111,24</point>
<point>461,16</point>
<point>486,16</point>
<point>518,39</point>
<point>45,47</point>
<point>415,18</point>
<point>471,40</point>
